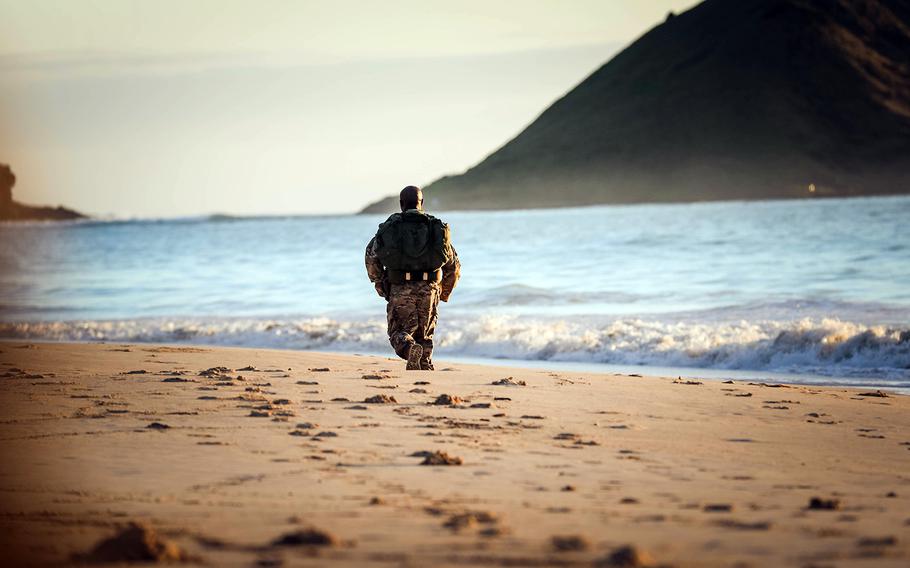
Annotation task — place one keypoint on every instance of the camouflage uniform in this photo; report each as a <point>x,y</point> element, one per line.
<point>412,307</point>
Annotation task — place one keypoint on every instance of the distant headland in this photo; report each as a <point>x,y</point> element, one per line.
<point>752,99</point>
<point>12,211</point>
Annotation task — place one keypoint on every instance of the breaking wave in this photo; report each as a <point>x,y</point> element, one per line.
<point>819,346</point>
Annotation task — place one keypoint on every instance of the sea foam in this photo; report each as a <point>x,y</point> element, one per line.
<point>828,347</point>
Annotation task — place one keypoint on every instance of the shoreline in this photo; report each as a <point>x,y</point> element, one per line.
<point>710,374</point>
<point>566,469</point>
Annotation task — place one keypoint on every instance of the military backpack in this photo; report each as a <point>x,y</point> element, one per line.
<point>413,241</point>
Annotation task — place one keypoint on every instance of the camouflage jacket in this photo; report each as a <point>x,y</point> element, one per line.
<point>451,270</point>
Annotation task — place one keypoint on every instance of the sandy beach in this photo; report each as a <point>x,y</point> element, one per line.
<point>239,457</point>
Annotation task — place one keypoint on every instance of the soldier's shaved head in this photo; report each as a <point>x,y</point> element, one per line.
<point>411,197</point>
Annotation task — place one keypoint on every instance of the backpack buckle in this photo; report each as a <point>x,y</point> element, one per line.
<point>425,277</point>
<point>407,275</point>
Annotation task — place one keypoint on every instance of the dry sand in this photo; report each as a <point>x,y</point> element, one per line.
<point>287,464</point>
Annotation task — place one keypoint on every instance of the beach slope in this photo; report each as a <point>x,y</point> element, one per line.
<point>239,457</point>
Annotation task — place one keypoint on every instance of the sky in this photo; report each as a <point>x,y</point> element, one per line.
<point>170,108</point>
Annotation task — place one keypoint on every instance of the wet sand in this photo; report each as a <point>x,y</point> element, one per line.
<point>240,457</point>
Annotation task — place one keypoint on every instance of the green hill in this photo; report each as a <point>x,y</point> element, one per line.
<point>733,99</point>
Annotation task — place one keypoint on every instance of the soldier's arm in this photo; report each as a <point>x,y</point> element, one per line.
<point>451,272</point>
<point>375,272</point>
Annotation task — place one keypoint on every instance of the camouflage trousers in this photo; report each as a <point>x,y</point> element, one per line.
<point>412,311</point>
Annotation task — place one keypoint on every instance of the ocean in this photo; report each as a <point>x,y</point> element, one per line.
<point>817,291</point>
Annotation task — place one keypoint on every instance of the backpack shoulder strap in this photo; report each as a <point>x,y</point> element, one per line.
<point>393,218</point>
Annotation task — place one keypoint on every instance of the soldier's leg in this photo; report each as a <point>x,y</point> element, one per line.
<point>427,315</point>
<point>401,314</point>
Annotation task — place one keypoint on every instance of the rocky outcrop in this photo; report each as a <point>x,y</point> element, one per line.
<point>10,210</point>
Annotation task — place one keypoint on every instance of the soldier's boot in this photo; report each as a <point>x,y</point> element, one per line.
<point>426,365</point>
<point>415,353</point>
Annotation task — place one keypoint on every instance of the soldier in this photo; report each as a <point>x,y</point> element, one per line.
<point>413,265</point>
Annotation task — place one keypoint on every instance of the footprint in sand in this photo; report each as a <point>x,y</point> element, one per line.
<point>569,543</point>
<point>743,526</point>
<point>380,399</point>
<point>509,382</point>
<point>461,521</point>
<point>625,556</point>
<point>820,504</point>
<point>447,400</point>
<point>375,377</point>
<point>440,458</point>
<point>681,381</point>
<point>310,537</point>
<point>137,542</point>
<point>566,436</point>
<point>214,372</point>
<point>875,394</point>
<point>876,542</point>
